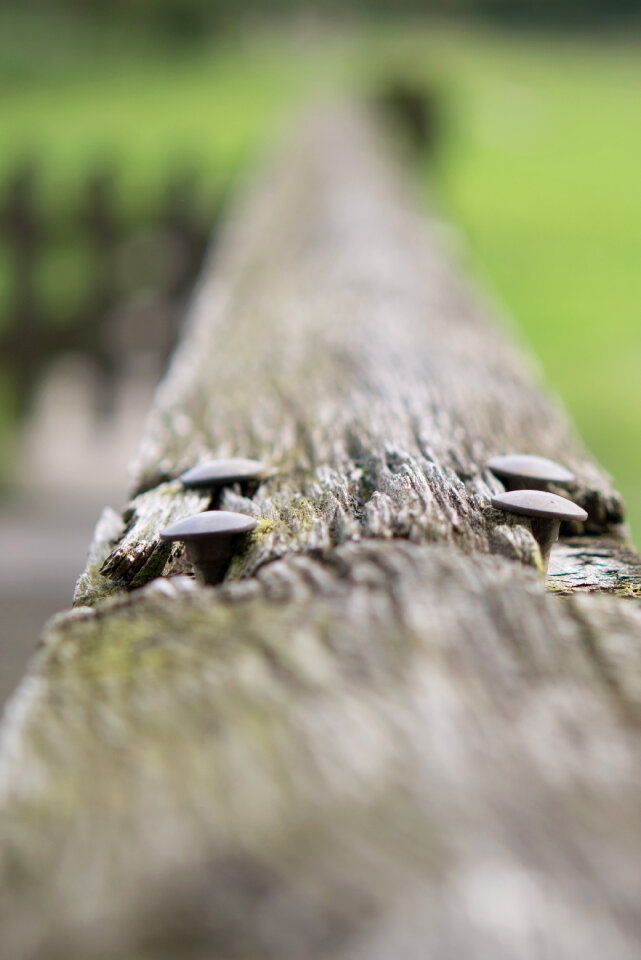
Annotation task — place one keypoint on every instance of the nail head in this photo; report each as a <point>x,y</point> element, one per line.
<point>210,523</point>
<point>545,510</point>
<point>211,539</point>
<point>219,473</point>
<point>527,468</point>
<point>539,503</point>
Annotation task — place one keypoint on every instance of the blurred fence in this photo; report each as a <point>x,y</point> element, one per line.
<point>135,284</point>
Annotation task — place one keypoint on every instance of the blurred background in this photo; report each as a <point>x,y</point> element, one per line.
<point>125,126</point>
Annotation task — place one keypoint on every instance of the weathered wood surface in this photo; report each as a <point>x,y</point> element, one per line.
<point>381,737</point>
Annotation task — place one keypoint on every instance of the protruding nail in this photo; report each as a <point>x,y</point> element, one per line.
<point>220,473</point>
<point>212,538</point>
<point>523,471</point>
<point>546,510</point>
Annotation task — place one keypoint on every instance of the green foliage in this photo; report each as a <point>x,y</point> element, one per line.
<point>187,20</point>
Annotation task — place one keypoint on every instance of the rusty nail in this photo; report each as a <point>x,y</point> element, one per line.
<point>220,473</point>
<point>523,471</point>
<point>212,539</point>
<point>546,511</point>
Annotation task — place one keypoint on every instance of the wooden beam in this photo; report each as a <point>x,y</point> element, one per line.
<point>381,737</point>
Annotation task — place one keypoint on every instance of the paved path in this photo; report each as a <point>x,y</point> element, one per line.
<point>66,467</point>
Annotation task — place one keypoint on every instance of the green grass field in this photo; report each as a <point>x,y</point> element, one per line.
<point>538,166</point>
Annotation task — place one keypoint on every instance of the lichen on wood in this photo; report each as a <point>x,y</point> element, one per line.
<point>604,564</point>
<point>127,551</point>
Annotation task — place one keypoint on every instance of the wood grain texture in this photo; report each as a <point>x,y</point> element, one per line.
<point>335,341</point>
<point>381,737</point>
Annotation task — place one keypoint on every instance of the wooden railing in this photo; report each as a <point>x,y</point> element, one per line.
<point>384,735</point>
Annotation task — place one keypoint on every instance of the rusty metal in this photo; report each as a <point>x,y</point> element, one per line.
<point>523,471</point>
<point>220,473</point>
<point>545,510</point>
<point>212,538</point>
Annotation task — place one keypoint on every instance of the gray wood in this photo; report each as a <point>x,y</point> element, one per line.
<point>381,737</point>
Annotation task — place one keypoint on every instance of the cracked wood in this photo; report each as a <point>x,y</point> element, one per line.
<point>381,737</point>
